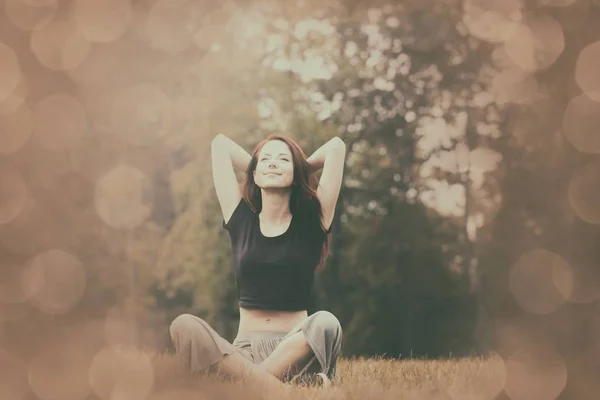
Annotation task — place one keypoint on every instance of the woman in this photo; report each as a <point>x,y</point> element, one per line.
<point>280,229</point>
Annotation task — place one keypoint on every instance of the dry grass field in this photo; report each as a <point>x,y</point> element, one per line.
<point>465,379</point>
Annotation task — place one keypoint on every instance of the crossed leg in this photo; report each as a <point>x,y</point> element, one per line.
<point>285,361</point>
<point>239,366</point>
<point>289,357</point>
<point>198,347</point>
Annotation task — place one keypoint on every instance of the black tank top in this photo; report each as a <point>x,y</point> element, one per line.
<point>274,273</point>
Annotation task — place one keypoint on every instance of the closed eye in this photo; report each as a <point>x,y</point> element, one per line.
<point>267,158</point>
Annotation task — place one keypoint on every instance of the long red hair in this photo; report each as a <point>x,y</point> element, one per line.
<point>303,196</point>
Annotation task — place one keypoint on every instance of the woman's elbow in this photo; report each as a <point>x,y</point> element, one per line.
<point>217,139</point>
<point>339,142</point>
<point>339,145</point>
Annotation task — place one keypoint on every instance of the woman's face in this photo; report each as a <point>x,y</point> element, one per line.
<point>275,166</point>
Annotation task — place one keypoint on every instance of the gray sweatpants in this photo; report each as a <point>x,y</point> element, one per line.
<point>198,346</point>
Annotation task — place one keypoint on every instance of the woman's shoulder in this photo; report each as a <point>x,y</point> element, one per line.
<point>242,212</point>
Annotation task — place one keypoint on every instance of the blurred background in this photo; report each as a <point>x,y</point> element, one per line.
<point>467,224</point>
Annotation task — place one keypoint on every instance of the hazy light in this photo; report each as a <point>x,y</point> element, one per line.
<point>30,17</point>
<point>11,287</point>
<point>98,101</point>
<point>583,375</point>
<point>502,61</point>
<point>119,327</point>
<point>10,312</point>
<point>124,197</point>
<point>533,377</point>
<point>13,193</point>
<point>586,285</point>
<point>584,192</point>
<point>581,122</point>
<point>60,45</point>
<point>9,238</point>
<point>10,70</point>
<point>486,201</point>
<point>59,122</point>
<point>13,376</point>
<point>38,3</point>
<point>95,155</point>
<point>536,45</point>
<point>103,20</point>
<point>492,20</point>
<point>30,231</point>
<point>183,394</point>
<point>586,70</point>
<point>172,24</point>
<point>141,114</point>
<point>60,373</point>
<point>119,374</point>
<point>556,3</point>
<point>15,129</point>
<point>540,281</point>
<point>97,66</point>
<point>447,199</point>
<point>16,99</point>
<point>514,86</point>
<point>484,384</point>
<point>485,159</point>
<point>47,169</point>
<point>55,281</point>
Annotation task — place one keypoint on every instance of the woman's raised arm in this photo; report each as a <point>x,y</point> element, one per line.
<point>332,158</point>
<point>227,156</point>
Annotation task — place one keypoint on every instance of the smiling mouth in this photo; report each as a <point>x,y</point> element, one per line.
<point>272,173</point>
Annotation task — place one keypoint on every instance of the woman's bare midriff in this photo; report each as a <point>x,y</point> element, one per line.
<point>268,320</point>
